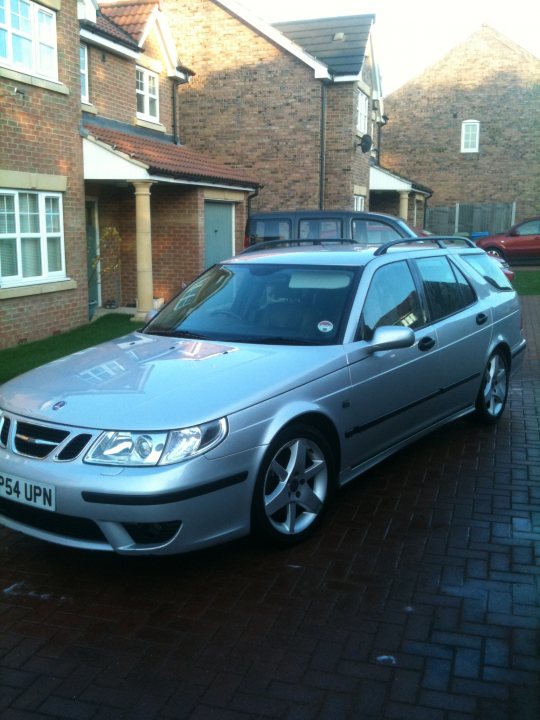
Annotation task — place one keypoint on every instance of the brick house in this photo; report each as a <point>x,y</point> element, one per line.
<point>42,238</point>
<point>98,199</point>
<point>290,102</point>
<point>125,172</point>
<point>469,127</point>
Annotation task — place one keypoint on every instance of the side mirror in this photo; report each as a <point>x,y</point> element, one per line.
<point>391,337</point>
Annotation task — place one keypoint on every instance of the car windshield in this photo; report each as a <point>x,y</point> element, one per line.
<point>254,303</point>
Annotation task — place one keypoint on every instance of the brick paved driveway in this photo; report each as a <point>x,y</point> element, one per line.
<point>418,600</point>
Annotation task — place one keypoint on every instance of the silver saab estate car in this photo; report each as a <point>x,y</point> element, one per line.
<point>273,379</point>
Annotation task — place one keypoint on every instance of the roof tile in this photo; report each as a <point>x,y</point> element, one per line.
<point>166,158</point>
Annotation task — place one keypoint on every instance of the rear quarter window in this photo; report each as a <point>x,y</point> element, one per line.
<point>490,270</point>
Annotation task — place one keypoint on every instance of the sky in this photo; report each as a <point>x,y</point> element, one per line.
<point>410,35</point>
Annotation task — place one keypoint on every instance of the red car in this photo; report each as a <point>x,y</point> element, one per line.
<point>519,244</point>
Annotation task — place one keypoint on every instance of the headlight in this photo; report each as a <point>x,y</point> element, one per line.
<point>119,447</point>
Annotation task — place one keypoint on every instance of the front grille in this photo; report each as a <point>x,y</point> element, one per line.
<point>65,525</point>
<point>37,440</point>
<point>74,447</point>
<point>42,441</point>
<point>5,423</point>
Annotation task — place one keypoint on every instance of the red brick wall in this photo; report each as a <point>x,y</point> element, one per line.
<point>489,79</point>
<point>112,85</point>
<point>39,133</point>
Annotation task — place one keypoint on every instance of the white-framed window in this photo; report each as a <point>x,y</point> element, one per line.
<point>28,38</point>
<point>147,88</point>
<point>359,203</point>
<point>31,238</point>
<point>363,113</point>
<point>83,61</point>
<point>470,136</point>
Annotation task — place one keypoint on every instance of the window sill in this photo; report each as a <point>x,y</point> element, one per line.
<point>33,80</point>
<point>151,125</point>
<point>88,107</point>
<point>41,289</point>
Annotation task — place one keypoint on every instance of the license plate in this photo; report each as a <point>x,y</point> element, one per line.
<point>28,492</point>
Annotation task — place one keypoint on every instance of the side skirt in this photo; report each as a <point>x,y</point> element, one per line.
<point>351,473</point>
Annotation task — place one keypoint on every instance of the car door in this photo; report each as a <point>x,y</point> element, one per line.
<point>524,242</point>
<point>463,324</point>
<point>394,393</point>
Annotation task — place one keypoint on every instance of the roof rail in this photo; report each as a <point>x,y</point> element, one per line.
<point>441,241</point>
<point>296,242</point>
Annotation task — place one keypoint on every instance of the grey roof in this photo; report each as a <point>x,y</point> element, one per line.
<point>342,56</point>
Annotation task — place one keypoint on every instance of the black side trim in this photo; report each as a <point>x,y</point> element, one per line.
<point>164,498</point>
<point>360,428</point>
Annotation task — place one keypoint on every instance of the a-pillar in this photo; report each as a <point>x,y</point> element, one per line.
<point>403,205</point>
<point>145,289</point>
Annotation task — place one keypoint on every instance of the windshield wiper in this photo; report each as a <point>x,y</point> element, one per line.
<point>273,340</point>
<point>178,334</point>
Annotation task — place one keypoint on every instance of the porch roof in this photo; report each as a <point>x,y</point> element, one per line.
<point>163,158</point>
<point>383,179</point>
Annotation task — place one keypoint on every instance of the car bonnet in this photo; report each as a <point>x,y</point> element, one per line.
<point>143,382</point>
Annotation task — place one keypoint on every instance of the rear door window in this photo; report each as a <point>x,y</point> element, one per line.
<point>447,289</point>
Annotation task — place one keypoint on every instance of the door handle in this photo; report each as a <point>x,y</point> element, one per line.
<point>481,318</point>
<point>426,344</point>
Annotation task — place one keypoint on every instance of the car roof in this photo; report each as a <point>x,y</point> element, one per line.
<point>345,252</point>
<point>306,214</point>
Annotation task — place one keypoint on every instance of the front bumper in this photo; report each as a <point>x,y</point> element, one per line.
<point>141,510</point>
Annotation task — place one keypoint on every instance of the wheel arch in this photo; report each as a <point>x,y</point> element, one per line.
<point>502,345</point>
<point>321,422</point>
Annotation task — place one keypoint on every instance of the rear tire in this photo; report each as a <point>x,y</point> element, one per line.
<point>493,393</point>
<point>294,486</point>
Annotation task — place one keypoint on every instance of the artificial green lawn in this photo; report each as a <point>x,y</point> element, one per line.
<point>527,282</point>
<point>17,360</point>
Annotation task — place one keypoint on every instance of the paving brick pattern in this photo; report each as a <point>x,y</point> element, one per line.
<point>419,600</point>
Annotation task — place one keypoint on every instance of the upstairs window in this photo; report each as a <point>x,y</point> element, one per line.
<point>470,136</point>
<point>31,238</point>
<point>28,38</point>
<point>147,88</point>
<point>363,114</point>
<point>83,57</point>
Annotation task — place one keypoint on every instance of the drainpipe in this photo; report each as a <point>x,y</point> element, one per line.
<point>251,197</point>
<point>176,84</point>
<point>322,160</point>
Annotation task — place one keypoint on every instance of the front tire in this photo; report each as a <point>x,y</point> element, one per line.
<point>493,393</point>
<point>294,486</point>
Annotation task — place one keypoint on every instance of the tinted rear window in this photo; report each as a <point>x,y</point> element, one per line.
<point>275,229</point>
<point>320,229</point>
<point>370,232</point>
